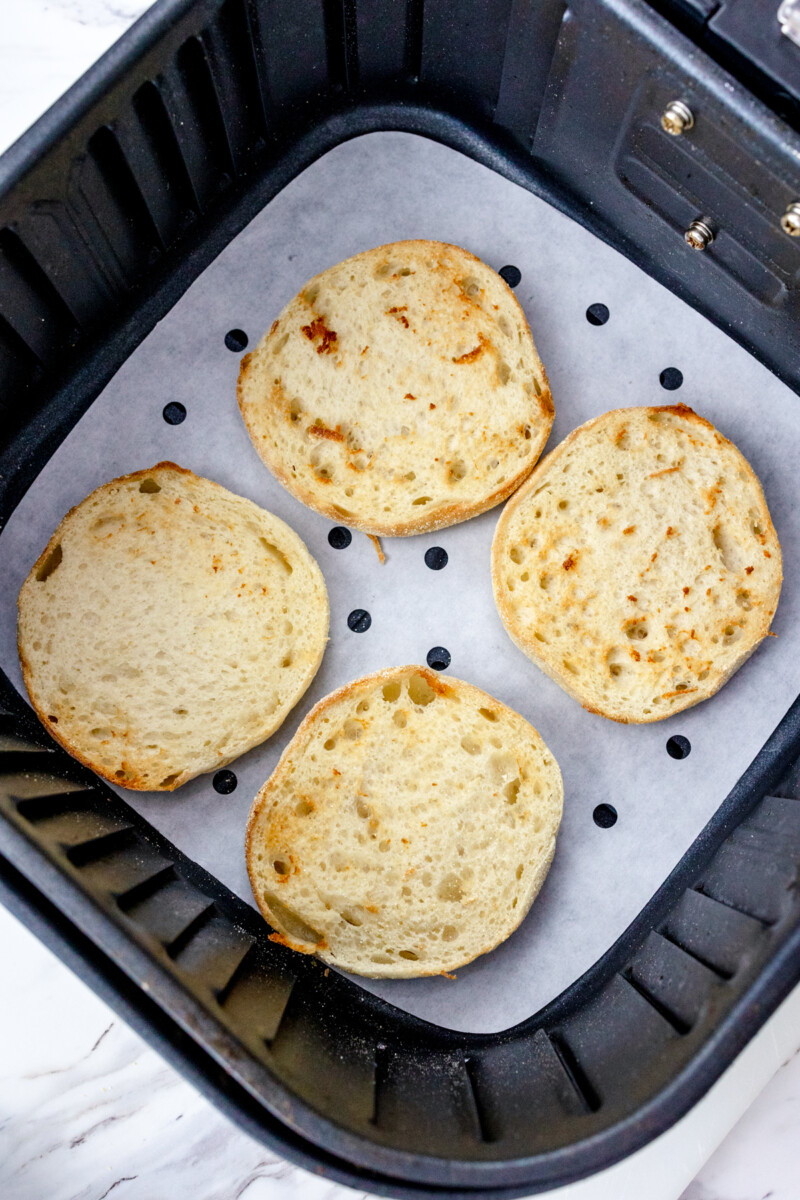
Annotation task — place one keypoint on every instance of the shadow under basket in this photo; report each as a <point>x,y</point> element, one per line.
<point>109,208</point>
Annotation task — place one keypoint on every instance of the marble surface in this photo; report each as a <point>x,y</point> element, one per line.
<point>86,1109</point>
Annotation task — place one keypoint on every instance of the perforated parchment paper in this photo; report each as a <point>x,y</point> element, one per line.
<point>384,187</point>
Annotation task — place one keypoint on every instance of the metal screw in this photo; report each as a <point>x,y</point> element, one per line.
<point>698,235</point>
<point>790,221</point>
<point>676,118</point>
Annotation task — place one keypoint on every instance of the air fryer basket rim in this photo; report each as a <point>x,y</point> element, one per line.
<point>239,1015</point>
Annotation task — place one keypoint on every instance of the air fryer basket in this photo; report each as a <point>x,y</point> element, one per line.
<point>110,207</point>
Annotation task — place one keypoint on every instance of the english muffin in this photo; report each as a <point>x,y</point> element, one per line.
<point>407,828</point>
<point>400,391</point>
<point>169,626</point>
<point>639,566</point>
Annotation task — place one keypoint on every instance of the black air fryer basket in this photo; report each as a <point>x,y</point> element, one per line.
<point>110,207</point>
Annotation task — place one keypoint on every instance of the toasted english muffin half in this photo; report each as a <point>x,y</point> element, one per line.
<point>639,566</point>
<point>407,828</point>
<point>400,391</point>
<point>169,626</point>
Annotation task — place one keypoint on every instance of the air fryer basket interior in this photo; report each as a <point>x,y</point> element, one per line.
<point>111,206</point>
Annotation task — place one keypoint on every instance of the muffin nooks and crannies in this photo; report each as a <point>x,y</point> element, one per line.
<point>400,391</point>
<point>169,626</point>
<point>639,566</point>
<point>407,828</point>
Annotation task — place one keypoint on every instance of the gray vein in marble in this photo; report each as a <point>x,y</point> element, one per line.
<point>69,1067</point>
<point>87,1133</point>
<point>98,13</point>
<point>116,1183</point>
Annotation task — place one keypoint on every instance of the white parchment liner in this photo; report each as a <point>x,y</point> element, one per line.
<point>384,187</point>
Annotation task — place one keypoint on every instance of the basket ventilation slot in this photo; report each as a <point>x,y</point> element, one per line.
<point>91,851</point>
<point>379,1076</point>
<point>17,754</point>
<point>483,1124</point>
<point>255,998</point>
<point>209,948</point>
<point>415,14</point>
<point>209,156</point>
<point>140,892</point>
<point>19,368</point>
<point>31,306</point>
<point>675,1022</point>
<point>151,151</point>
<point>718,936</point>
<point>181,941</point>
<point>45,808</point>
<point>722,973</point>
<point>575,1073</point>
<point>731,880</point>
<point>228,46</point>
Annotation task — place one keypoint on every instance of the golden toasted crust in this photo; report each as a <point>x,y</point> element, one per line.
<point>400,391</point>
<point>473,791</point>
<point>639,566</point>
<point>123,651</point>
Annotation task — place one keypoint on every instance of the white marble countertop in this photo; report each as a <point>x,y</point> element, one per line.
<point>86,1109</point>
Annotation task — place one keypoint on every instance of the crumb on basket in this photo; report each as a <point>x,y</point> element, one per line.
<point>376,541</point>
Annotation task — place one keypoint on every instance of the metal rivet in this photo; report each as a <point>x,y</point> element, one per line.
<point>676,118</point>
<point>698,235</point>
<point>790,221</point>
